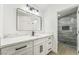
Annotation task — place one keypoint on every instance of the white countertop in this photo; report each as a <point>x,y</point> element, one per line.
<point>8,41</point>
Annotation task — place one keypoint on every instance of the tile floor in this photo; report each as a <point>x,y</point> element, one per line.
<point>64,49</point>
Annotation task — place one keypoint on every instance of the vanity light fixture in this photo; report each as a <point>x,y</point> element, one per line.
<point>32,9</point>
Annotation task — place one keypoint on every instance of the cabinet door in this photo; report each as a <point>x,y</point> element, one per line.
<point>48,46</point>
<point>39,49</point>
<point>7,51</point>
<point>28,51</point>
<point>24,48</point>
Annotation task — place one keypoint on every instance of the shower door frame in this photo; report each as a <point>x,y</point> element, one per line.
<point>77,47</point>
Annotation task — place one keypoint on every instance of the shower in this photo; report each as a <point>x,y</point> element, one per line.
<point>67,27</point>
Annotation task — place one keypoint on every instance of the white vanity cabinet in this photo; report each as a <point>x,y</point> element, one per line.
<point>38,46</point>
<point>49,44</point>
<point>8,51</point>
<point>25,48</point>
<point>39,49</point>
<point>43,46</point>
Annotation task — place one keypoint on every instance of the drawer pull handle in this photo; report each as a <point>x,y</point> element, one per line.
<point>21,47</point>
<point>49,49</point>
<point>41,48</point>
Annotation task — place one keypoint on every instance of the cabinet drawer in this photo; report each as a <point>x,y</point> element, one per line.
<point>50,38</point>
<point>28,51</point>
<point>49,46</point>
<point>23,45</point>
<point>7,51</point>
<point>23,48</point>
<point>38,41</point>
<point>16,48</point>
<point>49,42</point>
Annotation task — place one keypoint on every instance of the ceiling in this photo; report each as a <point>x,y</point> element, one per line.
<point>67,11</point>
<point>43,7</point>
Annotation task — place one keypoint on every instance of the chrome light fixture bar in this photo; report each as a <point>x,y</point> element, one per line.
<point>31,8</point>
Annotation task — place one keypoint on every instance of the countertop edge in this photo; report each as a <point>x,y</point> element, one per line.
<point>13,44</point>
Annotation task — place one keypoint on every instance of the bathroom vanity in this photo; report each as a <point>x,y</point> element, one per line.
<point>16,33</point>
<point>27,45</point>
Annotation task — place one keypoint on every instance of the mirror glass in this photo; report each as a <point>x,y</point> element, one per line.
<point>27,21</point>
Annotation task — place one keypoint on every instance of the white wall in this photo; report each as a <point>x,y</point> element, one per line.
<point>1,21</point>
<point>50,18</point>
<point>9,19</point>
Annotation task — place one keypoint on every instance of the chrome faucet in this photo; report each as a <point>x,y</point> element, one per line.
<point>33,33</point>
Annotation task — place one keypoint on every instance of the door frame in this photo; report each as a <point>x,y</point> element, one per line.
<point>77,51</point>
<point>78,30</point>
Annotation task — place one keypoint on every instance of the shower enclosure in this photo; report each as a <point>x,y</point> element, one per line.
<point>67,27</point>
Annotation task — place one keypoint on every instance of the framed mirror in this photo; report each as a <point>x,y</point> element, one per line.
<point>26,21</point>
